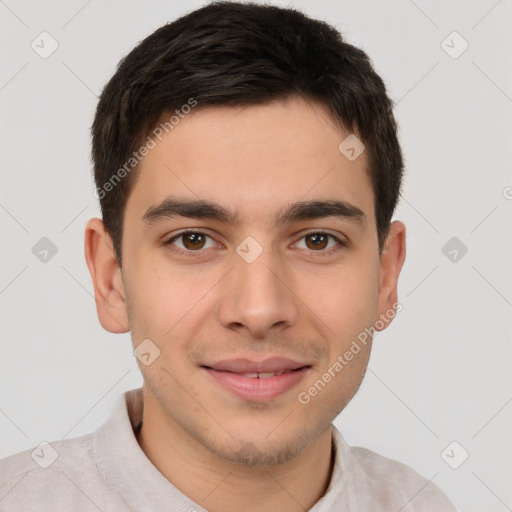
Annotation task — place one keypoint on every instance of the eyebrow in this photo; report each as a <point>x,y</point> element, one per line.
<point>203,209</point>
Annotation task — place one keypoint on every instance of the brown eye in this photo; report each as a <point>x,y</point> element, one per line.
<point>193,241</point>
<point>320,242</point>
<point>317,241</point>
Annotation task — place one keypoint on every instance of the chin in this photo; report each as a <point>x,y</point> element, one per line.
<point>258,446</point>
<point>259,453</point>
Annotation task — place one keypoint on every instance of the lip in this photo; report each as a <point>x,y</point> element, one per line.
<point>244,365</point>
<point>229,374</point>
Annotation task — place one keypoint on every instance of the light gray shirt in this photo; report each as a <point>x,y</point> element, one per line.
<point>108,471</point>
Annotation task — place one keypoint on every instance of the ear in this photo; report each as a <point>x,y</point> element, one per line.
<point>391,262</point>
<point>106,277</point>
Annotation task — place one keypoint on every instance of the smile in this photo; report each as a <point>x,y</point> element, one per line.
<point>256,386</point>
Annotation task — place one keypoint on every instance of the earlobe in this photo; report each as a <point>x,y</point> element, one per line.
<point>391,263</point>
<point>106,276</point>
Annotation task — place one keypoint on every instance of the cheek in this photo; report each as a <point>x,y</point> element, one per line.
<point>333,386</point>
<point>154,299</point>
<point>345,299</point>
<point>167,301</point>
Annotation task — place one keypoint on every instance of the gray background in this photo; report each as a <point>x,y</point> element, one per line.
<point>440,373</point>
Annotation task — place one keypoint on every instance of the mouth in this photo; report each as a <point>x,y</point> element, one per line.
<point>257,381</point>
<point>261,375</point>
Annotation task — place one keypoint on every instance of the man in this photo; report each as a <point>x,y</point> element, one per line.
<point>247,167</point>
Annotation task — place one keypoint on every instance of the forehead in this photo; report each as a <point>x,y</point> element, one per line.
<point>253,160</point>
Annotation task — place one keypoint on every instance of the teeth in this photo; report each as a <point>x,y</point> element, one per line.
<point>266,375</point>
<point>262,375</point>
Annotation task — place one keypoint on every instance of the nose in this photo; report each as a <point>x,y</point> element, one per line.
<point>257,297</point>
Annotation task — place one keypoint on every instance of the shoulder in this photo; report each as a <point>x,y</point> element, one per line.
<point>49,457</point>
<point>394,483</point>
<point>52,476</point>
<point>366,481</point>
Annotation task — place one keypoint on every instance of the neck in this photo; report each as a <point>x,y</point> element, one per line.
<point>218,485</point>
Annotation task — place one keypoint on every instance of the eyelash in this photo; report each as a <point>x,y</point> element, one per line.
<point>192,254</point>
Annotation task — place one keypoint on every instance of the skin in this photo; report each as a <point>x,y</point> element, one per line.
<point>295,300</point>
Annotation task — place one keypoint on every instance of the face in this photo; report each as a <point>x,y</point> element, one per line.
<point>250,260</point>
